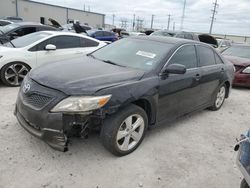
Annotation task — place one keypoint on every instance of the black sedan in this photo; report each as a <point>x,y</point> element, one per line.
<point>122,89</point>
<point>15,30</point>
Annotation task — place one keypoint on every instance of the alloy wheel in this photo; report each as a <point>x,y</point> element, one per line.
<point>15,73</point>
<point>220,97</point>
<point>130,132</point>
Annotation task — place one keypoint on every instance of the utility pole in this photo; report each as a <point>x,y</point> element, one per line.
<point>169,16</point>
<point>174,26</point>
<point>113,19</point>
<point>183,14</point>
<point>134,23</point>
<point>17,8</point>
<point>213,15</point>
<point>152,21</point>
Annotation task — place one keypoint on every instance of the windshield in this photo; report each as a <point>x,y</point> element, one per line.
<point>29,39</point>
<point>7,28</point>
<point>238,51</point>
<point>134,53</point>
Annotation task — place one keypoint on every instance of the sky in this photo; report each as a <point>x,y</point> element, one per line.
<point>233,16</point>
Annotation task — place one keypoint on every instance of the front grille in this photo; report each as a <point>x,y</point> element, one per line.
<point>36,100</point>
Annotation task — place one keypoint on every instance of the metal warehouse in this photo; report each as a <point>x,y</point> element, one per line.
<point>41,12</point>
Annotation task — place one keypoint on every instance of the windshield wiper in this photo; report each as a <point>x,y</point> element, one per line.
<point>112,63</point>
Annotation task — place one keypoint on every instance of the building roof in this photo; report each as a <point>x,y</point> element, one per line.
<point>41,3</point>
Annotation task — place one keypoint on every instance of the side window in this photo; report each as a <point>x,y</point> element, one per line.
<point>99,34</point>
<point>62,42</point>
<point>25,31</point>
<point>107,34</point>
<point>186,55</point>
<point>218,59</point>
<point>88,43</point>
<point>45,29</point>
<point>206,56</point>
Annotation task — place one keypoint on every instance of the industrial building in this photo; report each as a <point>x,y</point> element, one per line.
<point>40,12</point>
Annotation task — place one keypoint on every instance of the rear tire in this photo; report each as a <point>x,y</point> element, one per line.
<point>219,98</point>
<point>124,131</point>
<point>12,74</point>
<point>244,184</point>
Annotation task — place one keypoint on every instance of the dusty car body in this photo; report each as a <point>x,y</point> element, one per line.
<point>239,55</point>
<point>156,88</point>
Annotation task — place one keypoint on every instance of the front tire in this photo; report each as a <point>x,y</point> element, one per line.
<point>124,131</point>
<point>12,74</point>
<point>219,98</point>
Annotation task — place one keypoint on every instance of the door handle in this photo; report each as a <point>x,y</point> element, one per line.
<point>197,77</point>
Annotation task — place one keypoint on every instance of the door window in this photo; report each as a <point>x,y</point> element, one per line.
<point>206,56</point>
<point>88,43</point>
<point>24,31</point>
<point>61,42</point>
<point>107,34</point>
<point>186,55</point>
<point>98,34</point>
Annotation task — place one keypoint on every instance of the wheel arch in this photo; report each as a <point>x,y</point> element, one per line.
<point>149,108</point>
<point>15,62</point>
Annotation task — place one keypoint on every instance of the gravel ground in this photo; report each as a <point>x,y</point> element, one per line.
<point>193,152</point>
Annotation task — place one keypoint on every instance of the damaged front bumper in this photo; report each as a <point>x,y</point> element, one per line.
<point>33,113</point>
<point>57,139</point>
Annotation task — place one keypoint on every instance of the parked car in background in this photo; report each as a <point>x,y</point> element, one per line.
<point>24,53</point>
<point>102,35</point>
<point>15,30</point>
<point>164,33</point>
<point>123,89</point>
<point>198,37</point>
<point>5,22</point>
<point>13,18</point>
<point>223,44</point>
<point>239,55</point>
<point>125,34</point>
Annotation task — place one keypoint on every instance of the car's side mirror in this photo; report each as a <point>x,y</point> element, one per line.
<point>174,69</point>
<point>50,47</point>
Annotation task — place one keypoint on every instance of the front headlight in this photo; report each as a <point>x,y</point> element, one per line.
<point>246,70</point>
<point>81,103</point>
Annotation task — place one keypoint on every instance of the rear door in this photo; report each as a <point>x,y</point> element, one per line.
<point>212,72</point>
<point>108,36</point>
<point>88,45</point>
<point>180,93</point>
<point>67,47</point>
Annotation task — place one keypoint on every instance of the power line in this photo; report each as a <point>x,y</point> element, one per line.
<point>214,11</point>
<point>183,14</point>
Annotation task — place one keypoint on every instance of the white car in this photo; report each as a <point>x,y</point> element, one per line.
<point>20,55</point>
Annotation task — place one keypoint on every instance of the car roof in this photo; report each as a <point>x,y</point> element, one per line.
<point>29,23</point>
<point>168,40</point>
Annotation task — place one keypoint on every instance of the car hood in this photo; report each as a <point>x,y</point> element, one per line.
<point>238,60</point>
<point>83,76</point>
